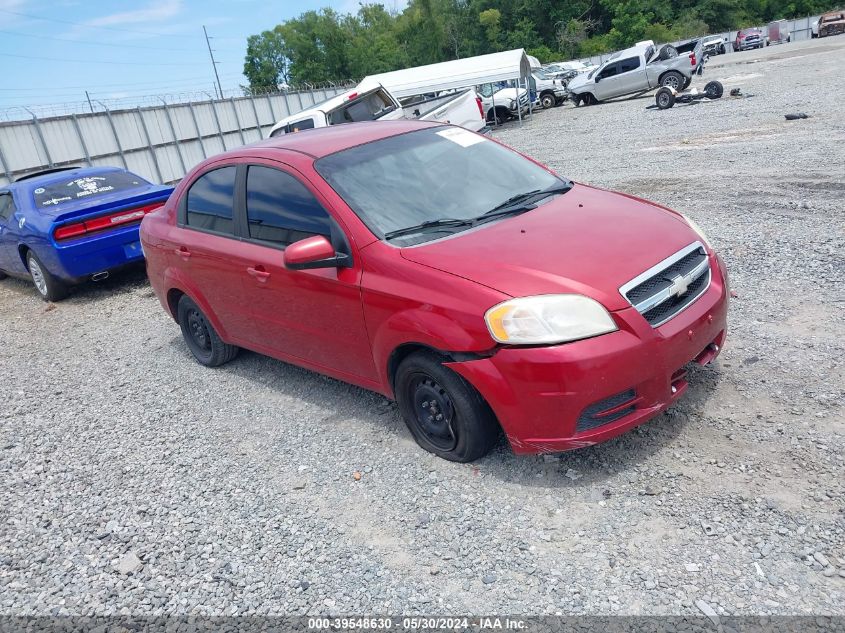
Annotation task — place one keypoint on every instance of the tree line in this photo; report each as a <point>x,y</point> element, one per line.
<point>325,45</point>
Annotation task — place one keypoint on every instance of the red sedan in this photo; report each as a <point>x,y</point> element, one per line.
<point>440,268</point>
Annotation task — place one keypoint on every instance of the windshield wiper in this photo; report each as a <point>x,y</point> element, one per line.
<point>524,201</point>
<point>428,224</point>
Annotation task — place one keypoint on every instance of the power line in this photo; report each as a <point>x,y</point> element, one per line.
<point>157,83</point>
<point>88,26</point>
<point>110,44</point>
<point>97,61</point>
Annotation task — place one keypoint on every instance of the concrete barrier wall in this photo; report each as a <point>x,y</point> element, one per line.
<point>160,143</point>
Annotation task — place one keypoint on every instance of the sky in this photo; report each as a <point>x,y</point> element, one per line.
<point>51,51</point>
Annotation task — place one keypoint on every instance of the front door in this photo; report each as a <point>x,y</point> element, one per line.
<point>314,316</point>
<point>8,247</point>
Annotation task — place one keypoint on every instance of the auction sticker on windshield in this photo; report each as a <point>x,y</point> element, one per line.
<point>462,137</point>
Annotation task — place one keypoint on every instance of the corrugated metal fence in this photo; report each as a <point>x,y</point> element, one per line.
<point>800,29</point>
<point>159,143</point>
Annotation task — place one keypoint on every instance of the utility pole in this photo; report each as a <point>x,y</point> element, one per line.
<point>213,63</point>
<point>89,101</point>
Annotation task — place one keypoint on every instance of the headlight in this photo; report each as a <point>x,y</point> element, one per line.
<point>512,105</point>
<point>698,230</point>
<point>547,319</point>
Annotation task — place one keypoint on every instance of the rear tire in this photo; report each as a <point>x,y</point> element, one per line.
<point>48,286</point>
<point>673,79</point>
<point>201,337</point>
<point>444,413</point>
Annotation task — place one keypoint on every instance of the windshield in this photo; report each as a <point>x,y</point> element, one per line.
<point>85,187</point>
<point>429,175</point>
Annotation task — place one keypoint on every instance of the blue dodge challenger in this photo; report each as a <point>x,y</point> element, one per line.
<point>60,227</point>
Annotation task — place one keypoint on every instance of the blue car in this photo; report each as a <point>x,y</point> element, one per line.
<point>61,227</point>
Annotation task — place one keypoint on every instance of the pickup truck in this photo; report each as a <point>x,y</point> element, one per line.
<point>377,104</point>
<point>639,69</point>
<point>550,90</point>
<point>500,104</point>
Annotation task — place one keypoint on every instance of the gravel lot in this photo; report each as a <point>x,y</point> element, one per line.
<point>137,482</point>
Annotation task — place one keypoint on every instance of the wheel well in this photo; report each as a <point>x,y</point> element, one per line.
<point>23,249</point>
<point>401,353</point>
<point>547,91</point>
<point>173,297</point>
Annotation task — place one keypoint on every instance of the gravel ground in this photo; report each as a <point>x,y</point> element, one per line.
<point>137,482</point>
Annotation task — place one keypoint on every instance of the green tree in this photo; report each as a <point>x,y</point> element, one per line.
<point>266,64</point>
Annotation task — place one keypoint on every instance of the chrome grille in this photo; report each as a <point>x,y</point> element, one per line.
<point>665,289</point>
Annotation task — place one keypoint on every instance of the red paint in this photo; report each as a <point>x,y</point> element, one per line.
<point>346,322</point>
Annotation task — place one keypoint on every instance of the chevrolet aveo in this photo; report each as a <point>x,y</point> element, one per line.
<point>442,269</point>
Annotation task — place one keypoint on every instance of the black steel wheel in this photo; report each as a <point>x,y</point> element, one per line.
<point>547,100</point>
<point>201,337</point>
<point>444,413</point>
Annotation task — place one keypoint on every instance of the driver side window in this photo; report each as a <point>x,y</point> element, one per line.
<point>609,71</point>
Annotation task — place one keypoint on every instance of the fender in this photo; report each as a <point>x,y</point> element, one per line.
<point>421,326</point>
<point>175,279</point>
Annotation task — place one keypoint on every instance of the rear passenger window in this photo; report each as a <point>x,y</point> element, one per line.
<point>7,206</point>
<point>298,126</point>
<point>627,65</point>
<point>210,201</point>
<point>280,209</point>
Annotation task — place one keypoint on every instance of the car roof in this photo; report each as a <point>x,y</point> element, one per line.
<point>39,180</point>
<point>323,141</point>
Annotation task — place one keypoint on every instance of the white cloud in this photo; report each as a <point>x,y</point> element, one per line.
<point>155,12</point>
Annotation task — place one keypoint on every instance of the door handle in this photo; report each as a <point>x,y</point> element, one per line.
<point>183,252</point>
<point>259,273</point>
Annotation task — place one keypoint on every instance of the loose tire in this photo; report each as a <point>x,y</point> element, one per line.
<point>201,337</point>
<point>667,52</point>
<point>673,79</point>
<point>444,413</point>
<point>547,100</point>
<point>664,98</point>
<point>48,286</point>
<point>714,90</point>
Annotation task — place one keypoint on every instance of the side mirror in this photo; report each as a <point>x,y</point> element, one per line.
<point>598,78</point>
<point>313,252</point>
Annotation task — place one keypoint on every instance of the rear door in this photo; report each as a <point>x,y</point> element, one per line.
<point>312,316</point>
<point>206,249</point>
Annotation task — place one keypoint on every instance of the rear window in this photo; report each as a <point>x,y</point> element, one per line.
<point>86,187</point>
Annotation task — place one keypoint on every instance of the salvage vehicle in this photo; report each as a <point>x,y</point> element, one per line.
<point>713,46</point>
<point>778,33</point>
<point>832,23</point>
<point>638,70</point>
<point>375,103</point>
<point>62,226</point>
<point>747,39</point>
<point>444,270</point>
<point>499,104</point>
<point>550,90</point>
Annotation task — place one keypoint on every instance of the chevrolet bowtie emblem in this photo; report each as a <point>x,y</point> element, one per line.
<point>679,286</point>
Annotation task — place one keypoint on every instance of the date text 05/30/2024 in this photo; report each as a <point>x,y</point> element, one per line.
<point>417,623</point>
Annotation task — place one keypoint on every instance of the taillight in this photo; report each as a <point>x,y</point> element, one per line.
<point>692,59</point>
<point>352,96</point>
<point>480,107</point>
<point>94,225</point>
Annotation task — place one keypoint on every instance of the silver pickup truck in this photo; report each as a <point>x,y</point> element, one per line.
<point>639,69</point>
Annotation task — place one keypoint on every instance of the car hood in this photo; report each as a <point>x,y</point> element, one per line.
<point>508,93</point>
<point>587,241</point>
<point>579,81</point>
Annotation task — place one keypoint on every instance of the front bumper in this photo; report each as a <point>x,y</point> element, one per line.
<point>542,396</point>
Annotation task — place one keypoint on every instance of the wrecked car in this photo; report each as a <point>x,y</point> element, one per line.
<point>442,269</point>
<point>637,70</point>
<point>832,23</point>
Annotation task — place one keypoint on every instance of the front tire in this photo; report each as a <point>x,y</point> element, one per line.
<point>201,337</point>
<point>547,101</point>
<point>444,413</point>
<point>48,286</point>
